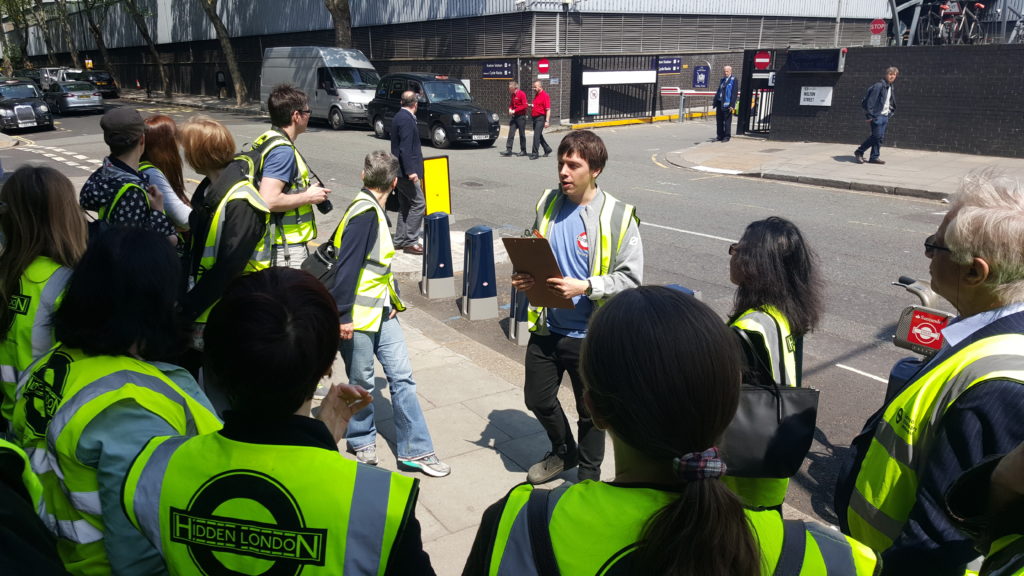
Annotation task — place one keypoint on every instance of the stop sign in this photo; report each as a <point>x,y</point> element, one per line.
<point>762,60</point>
<point>878,26</point>
<point>543,65</point>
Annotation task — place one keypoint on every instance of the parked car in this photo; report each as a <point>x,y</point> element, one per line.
<point>339,82</point>
<point>30,73</point>
<point>102,79</point>
<point>22,107</point>
<point>446,111</point>
<point>73,96</point>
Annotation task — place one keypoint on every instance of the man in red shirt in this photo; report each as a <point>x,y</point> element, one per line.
<point>541,117</point>
<point>517,110</point>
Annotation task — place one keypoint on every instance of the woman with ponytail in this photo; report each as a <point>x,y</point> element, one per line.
<point>662,376</point>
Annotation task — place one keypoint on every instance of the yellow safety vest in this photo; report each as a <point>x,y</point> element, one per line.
<point>376,288</point>
<point>773,327</point>
<point>260,258</point>
<point>107,209</point>
<point>614,218</point>
<point>298,225</point>
<point>64,392</point>
<point>212,505</point>
<point>30,334</point>
<point>593,525</point>
<point>886,486</point>
<point>28,477</point>
<point>1005,557</point>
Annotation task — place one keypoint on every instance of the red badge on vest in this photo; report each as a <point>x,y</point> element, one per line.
<point>581,241</point>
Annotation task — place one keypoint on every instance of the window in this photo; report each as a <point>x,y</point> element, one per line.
<point>396,89</point>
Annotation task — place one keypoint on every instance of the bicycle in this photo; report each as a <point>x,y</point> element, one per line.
<point>967,27</point>
<point>1017,35</point>
<point>930,25</point>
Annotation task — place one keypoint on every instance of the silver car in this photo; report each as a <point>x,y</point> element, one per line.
<point>75,96</point>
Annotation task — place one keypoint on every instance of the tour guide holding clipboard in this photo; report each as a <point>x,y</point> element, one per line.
<point>596,242</point>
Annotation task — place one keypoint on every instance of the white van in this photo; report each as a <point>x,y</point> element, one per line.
<point>338,82</point>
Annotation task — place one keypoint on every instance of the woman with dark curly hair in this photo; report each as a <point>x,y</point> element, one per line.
<point>778,300</point>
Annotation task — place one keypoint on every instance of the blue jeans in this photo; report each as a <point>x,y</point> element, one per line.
<point>874,141</point>
<point>388,345</point>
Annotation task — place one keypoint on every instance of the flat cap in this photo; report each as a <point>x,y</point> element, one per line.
<point>122,126</point>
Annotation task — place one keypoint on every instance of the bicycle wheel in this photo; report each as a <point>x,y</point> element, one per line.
<point>975,34</point>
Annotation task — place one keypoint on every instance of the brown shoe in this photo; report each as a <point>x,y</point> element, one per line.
<point>876,161</point>
<point>413,249</point>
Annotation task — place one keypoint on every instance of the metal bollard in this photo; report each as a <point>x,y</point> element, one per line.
<point>518,326</point>
<point>479,288</point>
<point>682,107</point>
<point>438,280</point>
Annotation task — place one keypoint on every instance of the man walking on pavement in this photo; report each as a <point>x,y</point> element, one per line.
<point>541,118</point>
<point>574,218</point>
<point>879,105</point>
<point>117,191</point>
<point>368,304</point>
<point>285,184</point>
<point>517,111</point>
<point>725,100</point>
<point>405,145</point>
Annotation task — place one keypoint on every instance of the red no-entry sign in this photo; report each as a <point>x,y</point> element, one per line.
<point>762,60</point>
<point>543,65</point>
<point>878,26</point>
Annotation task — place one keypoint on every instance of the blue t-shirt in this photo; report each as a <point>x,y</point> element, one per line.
<point>568,238</point>
<point>280,165</point>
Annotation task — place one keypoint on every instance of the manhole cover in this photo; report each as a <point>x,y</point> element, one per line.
<point>771,150</point>
<point>472,184</point>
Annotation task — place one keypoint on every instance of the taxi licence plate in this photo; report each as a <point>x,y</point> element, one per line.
<point>481,137</point>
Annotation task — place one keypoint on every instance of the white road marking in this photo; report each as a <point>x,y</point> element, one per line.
<point>691,232</point>
<point>81,157</point>
<point>72,163</point>
<point>717,170</point>
<point>58,158</point>
<point>862,373</point>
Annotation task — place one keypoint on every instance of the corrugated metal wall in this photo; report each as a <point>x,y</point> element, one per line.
<point>381,12</point>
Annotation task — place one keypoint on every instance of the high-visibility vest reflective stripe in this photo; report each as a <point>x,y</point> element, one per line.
<point>28,477</point>
<point>376,288</point>
<point>767,492</point>
<point>595,548</point>
<point>175,484</point>
<point>613,223</point>
<point>885,490</point>
<point>108,209</point>
<point>260,258</point>
<point>1005,557</point>
<point>298,225</point>
<point>63,393</point>
<point>30,334</point>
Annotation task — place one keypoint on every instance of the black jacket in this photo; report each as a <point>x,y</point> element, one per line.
<point>874,100</point>
<point>405,143</point>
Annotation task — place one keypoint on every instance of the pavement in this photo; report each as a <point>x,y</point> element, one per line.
<point>472,395</point>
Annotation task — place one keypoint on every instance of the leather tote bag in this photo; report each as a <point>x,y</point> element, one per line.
<point>322,263</point>
<point>774,425</point>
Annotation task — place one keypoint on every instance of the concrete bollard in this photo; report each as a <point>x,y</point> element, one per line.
<point>438,280</point>
<point>518,326</point>
<point>479,288</point>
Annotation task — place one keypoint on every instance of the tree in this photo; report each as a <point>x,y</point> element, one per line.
<point>140,23</point>
<point>62,16</point>
<point>96,27</point>
<point>43,24</point>
<point>16,9</point>
<point>342,22</point>
<point>210,7</point>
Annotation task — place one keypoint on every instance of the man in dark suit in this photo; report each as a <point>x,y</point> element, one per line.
<point>724,102</point>
<point>405,145</point>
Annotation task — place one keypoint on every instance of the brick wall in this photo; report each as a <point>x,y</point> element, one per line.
<point>966,99</point>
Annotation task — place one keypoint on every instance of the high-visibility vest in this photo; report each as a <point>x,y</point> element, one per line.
<point>298,225</point>
<point>108,209</point>
<point>260,258</point>
<point>30,334</point>
<point>614,218</point>
<point>1005,557</point>
<point>376,288</point>
<point>28,477</point>
<point>773,327</point>
<point>212,505</point>
<point>885,489</point>
<point>594,525</point>
<point>64,391</point>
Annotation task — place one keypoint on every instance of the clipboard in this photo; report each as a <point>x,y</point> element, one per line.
<point>534,257</point>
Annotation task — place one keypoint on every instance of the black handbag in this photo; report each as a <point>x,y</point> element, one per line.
<point>774,425</point>
<point>322,262</point>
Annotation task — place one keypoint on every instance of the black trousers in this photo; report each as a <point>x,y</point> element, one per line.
<point>547,359</point>
<point>517,123</point>
<point>538,135</point>
<point>724,118</point>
